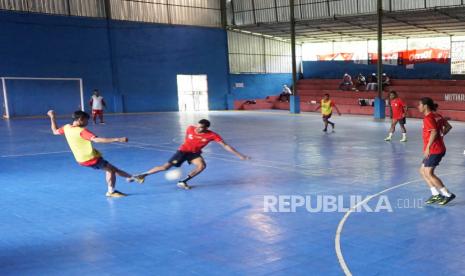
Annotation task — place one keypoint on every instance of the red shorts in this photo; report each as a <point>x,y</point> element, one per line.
<point>97,112</point>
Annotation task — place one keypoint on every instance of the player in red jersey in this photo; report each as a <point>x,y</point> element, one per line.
<point>435,127</point>
<point>197,137</point>
<point>399,115</point>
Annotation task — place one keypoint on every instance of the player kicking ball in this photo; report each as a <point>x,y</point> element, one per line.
<point>80,142</point>
<point>326,105</point>
<point>434,149</point>
<point>197,137</point>
<point>399,115</point>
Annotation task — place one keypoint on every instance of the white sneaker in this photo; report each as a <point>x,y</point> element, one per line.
<point>404,139</point>
<point>388,139</point>
<point>183,185</point>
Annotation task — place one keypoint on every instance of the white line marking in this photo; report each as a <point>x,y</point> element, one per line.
<point>33,154</point>
<point>337,239</point>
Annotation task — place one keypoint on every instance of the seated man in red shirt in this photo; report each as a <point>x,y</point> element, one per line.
<point>399,114</point>
<point>197,137</point>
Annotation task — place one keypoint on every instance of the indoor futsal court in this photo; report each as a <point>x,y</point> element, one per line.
<point>232,137</point>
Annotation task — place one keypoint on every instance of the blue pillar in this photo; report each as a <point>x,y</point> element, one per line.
<point>294,105</point>
<point>380,108</point>
<point>230,101</point>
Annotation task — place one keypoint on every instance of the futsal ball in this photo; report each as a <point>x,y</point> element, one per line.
<point>173,174</point>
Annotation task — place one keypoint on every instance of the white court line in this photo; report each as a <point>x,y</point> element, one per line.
<point>40,153</point>
<point>337,239</point>
<point>33,154</point>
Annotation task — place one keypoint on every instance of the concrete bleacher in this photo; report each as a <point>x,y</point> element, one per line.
<point>312,90</point>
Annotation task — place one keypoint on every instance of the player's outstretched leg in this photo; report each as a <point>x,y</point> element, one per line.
<point>155,170</point>
<point>200,165</point>
<point>111,172</point>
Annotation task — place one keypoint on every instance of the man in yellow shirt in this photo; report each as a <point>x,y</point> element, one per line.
<point>80,142</point>
<point>326,105</point>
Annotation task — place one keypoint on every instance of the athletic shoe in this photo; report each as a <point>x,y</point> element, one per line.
<point>102,123</point>
<point>404,139</point>
<point>115,194</point>
<point>434,199</point>
<point>183,185</point>
<point>138,178</point>
<point>325,130</point>
<point>446,199</point>
<point>388,139</point>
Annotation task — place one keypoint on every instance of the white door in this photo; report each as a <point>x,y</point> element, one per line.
<point>192,93</point>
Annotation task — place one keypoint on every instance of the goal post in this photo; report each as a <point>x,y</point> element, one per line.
<point>7,112</point>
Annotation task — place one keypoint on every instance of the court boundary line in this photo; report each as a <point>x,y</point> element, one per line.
<point>340,227</point>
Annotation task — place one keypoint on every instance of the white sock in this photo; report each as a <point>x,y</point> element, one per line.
<point>445,192</point>
<point>434,191</point>
<point>390,135</point>
<point>111,190</point>
<point>404,135</point>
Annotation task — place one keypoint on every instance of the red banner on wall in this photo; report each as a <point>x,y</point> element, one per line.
<point>424,55</point>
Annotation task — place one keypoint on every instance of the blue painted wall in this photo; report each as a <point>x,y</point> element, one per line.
<point>258,86</point>
<point>33,45</point>
<point>335,70</point>
<point>147,58</point>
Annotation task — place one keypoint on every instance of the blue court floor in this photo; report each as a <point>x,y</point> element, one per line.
<point>56,220</point>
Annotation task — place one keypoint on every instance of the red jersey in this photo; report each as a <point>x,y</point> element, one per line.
<point>433,121</point>
<point>398,108</point>
<point>195,142</point>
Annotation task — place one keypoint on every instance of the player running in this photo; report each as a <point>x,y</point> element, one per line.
<point>434,149</point>
<point>197,137</point>
<point>399,115</point>
<point>326,105</point>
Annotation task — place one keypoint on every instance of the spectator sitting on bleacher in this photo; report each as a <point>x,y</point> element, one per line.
<point>386,80</point>
<point>285,95</point>
<point>346,83</point>
<point>360,82</point>
<point>372,83</point>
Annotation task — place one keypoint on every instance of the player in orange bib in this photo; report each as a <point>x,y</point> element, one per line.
<point>80,142</point>
<point>326,105</point>
<point>197,137</point>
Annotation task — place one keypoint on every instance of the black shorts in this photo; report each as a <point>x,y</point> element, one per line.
<point>327,116</point>
<point>433,160</point>
<point>180,157</point>
<point>100,165</point>
<point>402,121</point>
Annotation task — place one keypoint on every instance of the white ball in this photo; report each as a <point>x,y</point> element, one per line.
<point>173,174</point>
